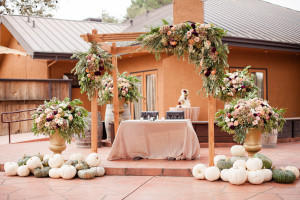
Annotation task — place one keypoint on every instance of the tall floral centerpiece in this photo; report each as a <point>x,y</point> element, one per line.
<point>127,88</point>
<point>201,42</point>
<point>60,120</point>
<point>238,84</point>
<point>89,68</point>
<point>247,119</point>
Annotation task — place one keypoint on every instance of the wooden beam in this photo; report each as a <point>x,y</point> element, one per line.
<point>131,49</point>
<point>105,47</point>
<point>211,126</point>
<point>111,37</point>
<point>115,88</point>
<point>94,118</point>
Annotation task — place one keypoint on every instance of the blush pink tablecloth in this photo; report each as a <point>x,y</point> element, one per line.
<point>189,113</point>
<point>155,140</point>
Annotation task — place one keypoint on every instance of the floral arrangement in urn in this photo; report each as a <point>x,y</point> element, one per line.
<point>66,117</point>
<point>238,84</point>
<point>184,100</point>
<point>127,88</point>
<point>90,67</point>
<point>239,116</point>
<point>201,42</point>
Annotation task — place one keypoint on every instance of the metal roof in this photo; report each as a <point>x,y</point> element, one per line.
<point>48,37</point>
<point>250,23</point>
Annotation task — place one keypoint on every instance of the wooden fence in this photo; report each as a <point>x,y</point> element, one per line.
<point>23,94</point>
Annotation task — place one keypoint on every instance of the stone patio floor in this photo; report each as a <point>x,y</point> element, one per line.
<point>157,179</point>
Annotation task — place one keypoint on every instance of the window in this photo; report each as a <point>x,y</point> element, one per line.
<point>75,81</point>
<point>148,89</point>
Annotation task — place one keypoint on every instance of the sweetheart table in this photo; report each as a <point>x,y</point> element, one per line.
<point>160,139</point>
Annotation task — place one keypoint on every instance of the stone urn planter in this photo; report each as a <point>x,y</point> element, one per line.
<point>57,143</point>
<point>109,117</point>
<point>252,142</point>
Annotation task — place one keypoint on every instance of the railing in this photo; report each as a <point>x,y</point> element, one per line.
<point>16,116</point>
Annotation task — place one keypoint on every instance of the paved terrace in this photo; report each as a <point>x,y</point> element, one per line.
<point>144,179</point>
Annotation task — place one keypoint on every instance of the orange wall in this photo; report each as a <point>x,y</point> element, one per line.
<point>283,71</point>
<point>13,66</point>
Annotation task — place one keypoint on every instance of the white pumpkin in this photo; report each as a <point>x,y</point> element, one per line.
<point>198,171</point>
<point>235,158</point>
<point>68,171</point>
<point>239,164</point>
<point>56,161</point>
<point>268,174</point>
<point>224,174</point>
<point>219,157</point>
<point>33,162</point>
<point>76,156</point>
<point>256,177</point>
<point>238,150</point>
<point>237,176</point>
<point>100,171</point>
<point>212,173</point>
<point>93,160</point>
<point>293,169</point>
<point>254,164</point>
<point>11,168</point>
<point>54,172</point>
<point>23,170</point>
<point>47,157</point>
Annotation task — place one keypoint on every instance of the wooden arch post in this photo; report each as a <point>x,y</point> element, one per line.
<point>114,50</point>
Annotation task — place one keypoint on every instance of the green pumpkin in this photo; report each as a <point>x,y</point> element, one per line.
<point>87,173</point>
<point>224,164</point>
<point>267,162</point>
<point>72,162</point>
<point>45,163</point>
<point>283,176</point>
<point>41,172</point>
<point>40,156</point>
<point>235,158</point>
<point>23,160</point>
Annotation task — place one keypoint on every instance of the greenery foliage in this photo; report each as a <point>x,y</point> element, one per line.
<point>66,117</point>
<point>238,84</point>
<point>201,42</point>
<point>90,67</point>
<point>107,18</point>
<point>41,8</point>
<point>139,7</point>
<point>127,88</point>
<point>242,114</point>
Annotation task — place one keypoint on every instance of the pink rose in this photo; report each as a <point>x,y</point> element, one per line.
<point>236,123</point>
<point>197,39</point>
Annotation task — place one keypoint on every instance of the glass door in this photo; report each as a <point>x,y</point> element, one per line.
<point>260,81</point>
<point>148,88</point>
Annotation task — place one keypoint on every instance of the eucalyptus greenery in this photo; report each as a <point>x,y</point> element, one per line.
<point>202,43</point>
<point>66,117</point>
<point>89,68</point>
<point>127,88</point>
<point>240,115</point>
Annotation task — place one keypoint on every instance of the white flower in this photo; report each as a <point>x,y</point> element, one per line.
<point>207,26</point>
<point>47,124</point>
<point>227,120</point>
<point>47,110</point>
<point>255,122</point>
<point>37,120</point>
<point>42,115</point>
<point>59,110</point>
<point>56,120</point>
<point>232,119</point>
<point>70,117</point>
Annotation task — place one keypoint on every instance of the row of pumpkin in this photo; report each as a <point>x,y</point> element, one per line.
<point>238,169</point>
<point>55,166</point>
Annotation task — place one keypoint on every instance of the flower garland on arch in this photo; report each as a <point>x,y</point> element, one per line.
<point>90,68</point>
<point>201,42</point>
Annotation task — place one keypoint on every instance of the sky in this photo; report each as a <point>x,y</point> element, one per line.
<point>79,9</point>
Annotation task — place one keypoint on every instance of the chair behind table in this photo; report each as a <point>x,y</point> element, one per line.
<point>175,115</point>
<point>145,114</point>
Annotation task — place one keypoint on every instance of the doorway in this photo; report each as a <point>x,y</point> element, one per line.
<point>148,88</point>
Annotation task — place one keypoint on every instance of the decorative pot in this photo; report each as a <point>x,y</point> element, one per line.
<point>85,142</point>
<point>121,107</point>
<point>57,143</point>
<point>252,142</point>
<point>109,117</point>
